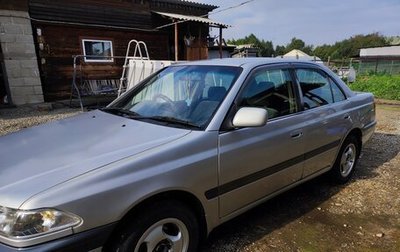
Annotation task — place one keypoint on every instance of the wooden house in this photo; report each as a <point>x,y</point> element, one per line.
<point>172,29</point>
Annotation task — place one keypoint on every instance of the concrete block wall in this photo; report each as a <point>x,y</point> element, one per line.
<point>20,57</point>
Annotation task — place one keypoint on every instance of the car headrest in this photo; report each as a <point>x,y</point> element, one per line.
<point>257,88</point>
<point>216,93</point>
<point>266,85</point>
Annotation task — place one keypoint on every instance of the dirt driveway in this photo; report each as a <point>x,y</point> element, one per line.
<point>363,215</point>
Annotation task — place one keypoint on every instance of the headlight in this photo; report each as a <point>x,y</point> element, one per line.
<point>24,224</point>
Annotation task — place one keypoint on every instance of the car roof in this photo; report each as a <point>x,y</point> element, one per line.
<point>245,62</point>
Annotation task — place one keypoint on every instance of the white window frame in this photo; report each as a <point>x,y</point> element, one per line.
<point>108,59</point>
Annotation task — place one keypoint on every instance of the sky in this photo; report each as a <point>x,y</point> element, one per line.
<point>316,22</point>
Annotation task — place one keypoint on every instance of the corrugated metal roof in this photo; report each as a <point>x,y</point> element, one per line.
<point>188,2</point>
<point>192,18</point>
<point>380,51</point>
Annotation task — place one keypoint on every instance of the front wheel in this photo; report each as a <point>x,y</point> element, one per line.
<point>346,160</point>
<point>162,227</point>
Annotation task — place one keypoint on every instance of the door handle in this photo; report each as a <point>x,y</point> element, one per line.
<point>295,135</point>
<point>347,117</point>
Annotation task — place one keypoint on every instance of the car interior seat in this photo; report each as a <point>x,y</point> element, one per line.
<point>258,94</point>
<point>206,107</point>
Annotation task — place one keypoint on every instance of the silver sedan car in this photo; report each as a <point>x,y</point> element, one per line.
<point>189,148</point>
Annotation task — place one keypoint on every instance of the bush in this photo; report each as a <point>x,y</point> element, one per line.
<point>382,86</point>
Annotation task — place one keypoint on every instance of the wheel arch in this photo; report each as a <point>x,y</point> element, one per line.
<point>336,174</point>
<point>357,133</point>
<point>184,197</point>
<point>353,132</point>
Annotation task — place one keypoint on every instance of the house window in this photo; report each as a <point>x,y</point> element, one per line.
<point>97,50</point>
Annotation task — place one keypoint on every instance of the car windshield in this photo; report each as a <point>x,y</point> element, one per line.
<point>178,96</point>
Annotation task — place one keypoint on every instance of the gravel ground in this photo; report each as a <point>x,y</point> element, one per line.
<point>14,119</point>
<point>317,216</point>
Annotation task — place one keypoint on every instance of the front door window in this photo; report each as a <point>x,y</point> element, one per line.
<point>272,90</point>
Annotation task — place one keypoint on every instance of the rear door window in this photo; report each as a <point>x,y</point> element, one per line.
<point>315,87</point>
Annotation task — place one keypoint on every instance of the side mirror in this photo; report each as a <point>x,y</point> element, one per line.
<point>250,117</point>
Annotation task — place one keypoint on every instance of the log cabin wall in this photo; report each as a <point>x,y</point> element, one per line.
<point>59,27</point>
<point>60,43</point>
<point>117,13</point>
<point>15,5</point>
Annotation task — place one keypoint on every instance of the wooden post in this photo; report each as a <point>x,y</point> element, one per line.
<point>5,79</point>
<point>220,42</point>
<point>176,41</point>
<point>199,44</point>
<point>391,68</point>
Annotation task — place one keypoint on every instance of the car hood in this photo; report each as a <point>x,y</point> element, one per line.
<point>38,158</point>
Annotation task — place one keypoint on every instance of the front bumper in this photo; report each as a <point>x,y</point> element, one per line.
<point>83,241</point>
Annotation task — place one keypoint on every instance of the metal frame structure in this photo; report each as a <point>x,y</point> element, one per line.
<point>138,54</point>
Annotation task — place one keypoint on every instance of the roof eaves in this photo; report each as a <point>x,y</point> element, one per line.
<point>192,18</point>
<point>191,3</point>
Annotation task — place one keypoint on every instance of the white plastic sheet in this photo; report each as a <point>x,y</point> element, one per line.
<point>139,70</point>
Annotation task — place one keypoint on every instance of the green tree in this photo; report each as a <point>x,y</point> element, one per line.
<point>324,51</point>
<point>299,44</point>
<point>280,50</point>
<point>295,43</point>
<point>349,48</point>
<point>346,48</point>
<point>266,48</point>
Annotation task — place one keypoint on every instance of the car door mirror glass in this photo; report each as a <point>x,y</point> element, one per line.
<point>250,117</point>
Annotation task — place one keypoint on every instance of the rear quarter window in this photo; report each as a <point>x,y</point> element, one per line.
<point>337,93</point>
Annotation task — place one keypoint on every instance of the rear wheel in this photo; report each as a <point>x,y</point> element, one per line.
<point>162,227</point>
<point>347,160</point>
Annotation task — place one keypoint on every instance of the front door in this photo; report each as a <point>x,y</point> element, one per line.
<point>255,162</point>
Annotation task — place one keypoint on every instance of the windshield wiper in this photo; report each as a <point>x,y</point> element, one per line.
<point>165,119</point>
<point>169,120</point>
<point>121,112</point>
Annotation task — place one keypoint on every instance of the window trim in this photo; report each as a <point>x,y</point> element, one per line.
<point>99,60</point>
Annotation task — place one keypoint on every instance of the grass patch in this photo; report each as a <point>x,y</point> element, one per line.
<point>382,86</point>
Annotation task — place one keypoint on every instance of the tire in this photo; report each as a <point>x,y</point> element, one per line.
<point>346,160</point>
<point>159,227</point>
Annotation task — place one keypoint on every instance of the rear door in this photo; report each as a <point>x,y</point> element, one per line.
<point>255,162</point>
<point>326,117</point>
